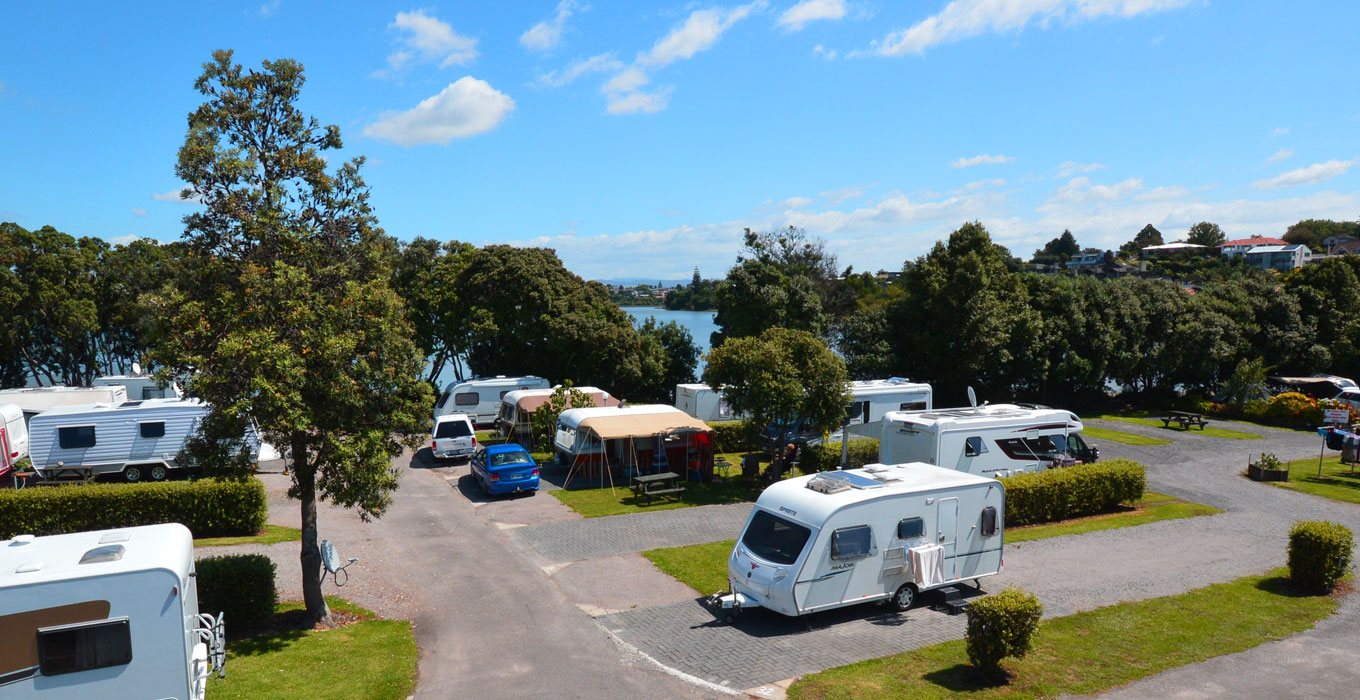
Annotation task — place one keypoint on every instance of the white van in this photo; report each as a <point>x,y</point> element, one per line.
<point>13,437</point>
<point>105,614</point>
<point>481,398</point>
<point>453,437</point>
<point>884,532</point>
<point>990,440</point>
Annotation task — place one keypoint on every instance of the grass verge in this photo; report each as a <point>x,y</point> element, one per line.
<point>1093,651</point>
<point>703,567</point>
<point>1337,481</point>
<point>1121,437</point>
<point>1151,421</point>
<point>598,502</point>
<point>367,658</point>
<point>271,534</point>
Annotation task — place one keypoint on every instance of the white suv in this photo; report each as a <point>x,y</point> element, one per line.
<point>453,437</point>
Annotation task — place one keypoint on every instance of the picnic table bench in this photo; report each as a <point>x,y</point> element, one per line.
<point>653,485</point>
<point>1185,419</point>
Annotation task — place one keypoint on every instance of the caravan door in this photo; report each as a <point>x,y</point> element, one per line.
<point>947,523</point>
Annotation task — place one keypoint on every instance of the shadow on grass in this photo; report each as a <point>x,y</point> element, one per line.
<point>963,678</point>
<point>1282,586</point>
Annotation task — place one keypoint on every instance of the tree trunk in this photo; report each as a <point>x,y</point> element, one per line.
<point>304,472</point>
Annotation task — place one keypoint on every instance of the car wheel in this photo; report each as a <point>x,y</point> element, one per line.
<point>159,472</point>
<point>132,475</point>
<point>904,598</point>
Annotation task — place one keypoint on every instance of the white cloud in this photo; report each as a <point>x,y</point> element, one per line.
<point>984,184</point>
<point>546,35</point>
<point>1282,154</point>
<point>124,239</point>
<point>1072,167</point>
<point>638,102</point>
<point>984,159</point>
<point>840,195</point>
<point>271,8</point>
<point>138,212</point>
<point>1080,189</point>
<point>465,108</point>
<point>699,32</point>
<point>1317,172</point>
<point>961,19</point>
<point>798,16</point>
<point>599,63</point>
<point>797,202</point>
<point>174,196</point>
<point>426,39</point>
<point>828,54</point>
<point>1159,194</point>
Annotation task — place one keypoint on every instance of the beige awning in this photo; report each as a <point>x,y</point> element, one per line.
<point>529,404</point>
<point>640,425</point>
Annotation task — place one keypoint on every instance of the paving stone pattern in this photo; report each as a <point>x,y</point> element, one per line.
<point>622,534</point>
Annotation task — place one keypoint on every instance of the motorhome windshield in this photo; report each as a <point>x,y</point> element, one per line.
<point>775,539</point>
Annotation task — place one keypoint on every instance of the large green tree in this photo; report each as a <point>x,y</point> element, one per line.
<point>426,272</point>
<point>670,358</point>
<point>1311,232</point>
<point>1147,236</point>
<point>284,312</point>
<point>1057,251</point>
<point>782,278</point>
<point>1205,233</point>
<point>780,377</point>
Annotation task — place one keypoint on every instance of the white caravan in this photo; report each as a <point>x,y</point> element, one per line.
<point>141,386</point>
<point>35,400</point>
<point>703,402</point>
<point>992,441</point>
<point>105,614</point>
<point>481,397</point>
<point>139,439</point>
<point>874,398</point>
<point>13,436</point>
<point>884,532</point>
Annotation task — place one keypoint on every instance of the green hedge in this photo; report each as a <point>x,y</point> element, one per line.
<point>208,507</point>
<point>1072,492</point>
<point>827,456</point>
<point>1001,625</point>
<point>735,436</point>
<point>1319,554</point>
<point>241,586</point>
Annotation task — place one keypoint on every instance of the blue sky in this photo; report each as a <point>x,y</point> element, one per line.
<point>638,139</point>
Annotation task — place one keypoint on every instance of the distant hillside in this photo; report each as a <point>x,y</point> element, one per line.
<point>635,281</point>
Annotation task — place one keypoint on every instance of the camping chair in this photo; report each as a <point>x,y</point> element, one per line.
<point>331,560</point>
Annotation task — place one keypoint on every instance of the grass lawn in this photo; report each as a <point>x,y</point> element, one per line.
<point>272,534</point>
<point>1093,651</point>
<point>368,658</point>
<point>1121,437</point>
<point>703,567</point>
<point>1337,482</point>
<point>596,502</point>
<point>1150,420</point>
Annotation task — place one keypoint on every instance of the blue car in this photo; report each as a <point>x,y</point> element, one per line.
<point>503,469</point>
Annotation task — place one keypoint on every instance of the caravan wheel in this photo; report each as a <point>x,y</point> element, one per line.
<point>159,472</point>
<point>904,598</point>
<point>132,474</point>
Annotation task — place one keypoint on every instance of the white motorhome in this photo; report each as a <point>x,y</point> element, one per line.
<point>481,397</point>
<point>874,398</point>
<point>990,440</point>
<point>884,532</point>
<point>703,402</point>
<point>139,439</point>
<point>35,400</point>
<point>13,437</point>
<point>105,614</point>
<point>141,386</point>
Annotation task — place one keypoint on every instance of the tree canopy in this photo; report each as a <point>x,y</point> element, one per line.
<point>1205,233</point>
<point>1057,251</point>
<point>1147,236</point>
<point>782,278</point>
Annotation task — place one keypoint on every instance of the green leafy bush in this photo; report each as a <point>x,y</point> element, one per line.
<point>1268,460</point>
<point>239,585</point>
<point>1001,625</point>
<point>1294,410</point>
<point>1072,492</point>
<point>827,456</point>
<point>208,507</point>
<point>735,436</point>
<point>1319,554</point>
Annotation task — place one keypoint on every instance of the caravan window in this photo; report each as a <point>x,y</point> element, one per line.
<point>467,398</point>
<point>912,406</point>
<point>1027,448</point>
<point>775,539</point>
<point>910,528</point>
<point>76,437</point>
<point>852,542</point>
<point>973,447</point>
<point>443,399</point>
<point>84,646</point>
<point>989,521</point>
<point>154,429</point>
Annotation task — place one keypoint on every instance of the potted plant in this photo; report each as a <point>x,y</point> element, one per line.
<point>1268,468</point>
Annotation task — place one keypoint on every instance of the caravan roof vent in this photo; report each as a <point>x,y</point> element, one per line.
<point>834,482</point>
<point>115,536</point>
<point>101,555</point>
<point>29,567</point>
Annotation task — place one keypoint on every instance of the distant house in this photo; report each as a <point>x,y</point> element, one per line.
<point>1278,257</point>
<point>1087,260</point>
<point>1169,250</point>
<point>1242,245</point>
<point>1348,246</point>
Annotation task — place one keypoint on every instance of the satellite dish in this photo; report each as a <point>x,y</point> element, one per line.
<point>136,369</point>
<point>972,397</point>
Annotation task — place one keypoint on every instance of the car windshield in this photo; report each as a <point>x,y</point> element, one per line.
<point>502,459</point>
<point>775,539</point>
<point>453,429</point>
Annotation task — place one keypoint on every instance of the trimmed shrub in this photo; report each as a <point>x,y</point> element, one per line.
<point>239,585</point>
<point>1294,410</point>
<point>735,436</point>
<point>1001,625</point>
<point>827,456</point>
<point>1319,554</point>
<point>208,507</point>
<point>1072,492</point>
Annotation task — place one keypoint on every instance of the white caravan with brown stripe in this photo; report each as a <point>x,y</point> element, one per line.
<point>106,614</point>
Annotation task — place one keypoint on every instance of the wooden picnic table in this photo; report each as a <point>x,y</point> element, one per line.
<point>1185,419</point>
<point>653,485</point>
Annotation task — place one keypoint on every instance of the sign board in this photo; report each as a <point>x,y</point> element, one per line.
<point>1336,416</point>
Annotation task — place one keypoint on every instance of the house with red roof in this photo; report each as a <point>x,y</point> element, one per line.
<point>1242,245</point>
